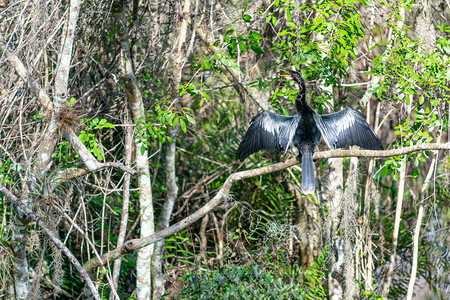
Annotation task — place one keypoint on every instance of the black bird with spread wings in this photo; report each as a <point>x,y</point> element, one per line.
<point>302,131</point>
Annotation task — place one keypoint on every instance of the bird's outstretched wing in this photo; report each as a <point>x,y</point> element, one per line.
<point>347,128</point>
<point>268,131</point>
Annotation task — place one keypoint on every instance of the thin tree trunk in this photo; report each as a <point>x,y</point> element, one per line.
<point>179,56</point>
<point>334,196</point>
<point>18,243</point>
<point>125,199</point>
<point>398,214</point>
<point>412,279</point>
<point>172,193</point>
<point>143,264</point>
<point>349,225</point>
<point>423,195</point>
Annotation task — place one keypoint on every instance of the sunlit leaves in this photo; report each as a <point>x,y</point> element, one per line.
<point>6,169</point>
<point>87,136</point>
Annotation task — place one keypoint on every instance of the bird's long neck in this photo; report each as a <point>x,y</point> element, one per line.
<point>300,101</point>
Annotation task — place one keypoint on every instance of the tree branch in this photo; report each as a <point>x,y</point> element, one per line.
<point>22,208</point>
<point>71,173</point>
<point>135,244</point>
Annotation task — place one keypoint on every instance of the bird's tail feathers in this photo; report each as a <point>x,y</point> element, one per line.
<point>308,181</point>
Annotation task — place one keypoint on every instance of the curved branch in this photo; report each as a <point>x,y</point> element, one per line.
<point>135,244</point>
<point>22,208</point>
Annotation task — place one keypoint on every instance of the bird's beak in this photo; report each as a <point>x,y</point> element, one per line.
<point>286,76</point>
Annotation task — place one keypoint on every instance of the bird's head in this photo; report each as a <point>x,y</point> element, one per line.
<point>294,75</point>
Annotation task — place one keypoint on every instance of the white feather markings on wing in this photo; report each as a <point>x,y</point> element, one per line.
<point>328,134</point>
<point>291,131</point>
<point>345,123</point>
<point>269,125</point>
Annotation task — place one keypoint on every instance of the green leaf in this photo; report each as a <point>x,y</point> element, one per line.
<point>204,94</point>
<point>169,119</point>
<point>421,100</point>
<point>83,136</point>
<point>190,119</point>
<point>243,46</point>
<point>247,18</point>
<point>256,36</point>
<point>98,153</point>
<point>274,21</point>
<point>227,35</point>
<point>183,125</point>
<point>256,49</point>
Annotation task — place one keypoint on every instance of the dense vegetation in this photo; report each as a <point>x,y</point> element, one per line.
<point>118,120</point>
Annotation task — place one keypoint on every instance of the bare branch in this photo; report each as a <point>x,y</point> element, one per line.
<point>72,173</point>
<point>22,208</point>
<point>135,244</point>
<point>26,76</point>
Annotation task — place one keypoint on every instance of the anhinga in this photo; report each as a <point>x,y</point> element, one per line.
<point>275,132</point>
